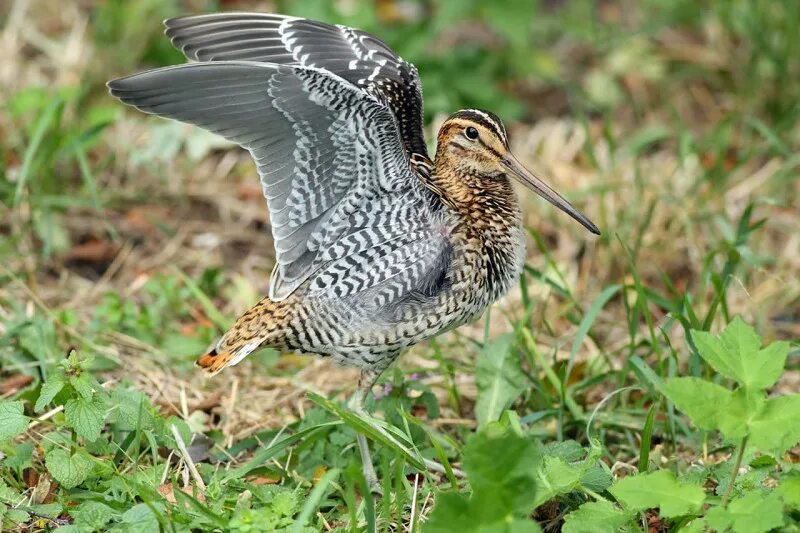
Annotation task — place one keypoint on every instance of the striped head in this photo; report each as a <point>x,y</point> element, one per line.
<point>472,146</point>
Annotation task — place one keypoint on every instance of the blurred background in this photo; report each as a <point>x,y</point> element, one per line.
<point>672,124</point>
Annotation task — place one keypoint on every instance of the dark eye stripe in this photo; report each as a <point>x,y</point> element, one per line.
<point>486,119</point>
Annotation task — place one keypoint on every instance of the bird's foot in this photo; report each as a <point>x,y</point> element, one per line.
<point>366,464</point>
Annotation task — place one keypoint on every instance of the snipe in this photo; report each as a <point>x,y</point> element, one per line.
<point>377,246</point>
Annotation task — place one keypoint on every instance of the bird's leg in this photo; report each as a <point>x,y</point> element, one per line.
<point>365,382</point>
<point>356,404</point>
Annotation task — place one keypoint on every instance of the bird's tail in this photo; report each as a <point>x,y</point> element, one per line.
<point>262,325</point>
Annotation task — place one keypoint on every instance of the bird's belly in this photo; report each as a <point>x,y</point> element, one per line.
<point>361,335</point>
<point>365,337</point>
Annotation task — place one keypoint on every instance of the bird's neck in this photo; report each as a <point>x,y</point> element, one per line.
<point>486,202</point>
<point>486,212</point>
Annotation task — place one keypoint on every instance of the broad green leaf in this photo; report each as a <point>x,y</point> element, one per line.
<point>659,489</point>
<point>596,517</point>
<point>455,512</point>
<point>736,417</point>
<point>789,490</point>
<point>499,379</point>
<point>12,421</point>
<point>69,470</point>
<point>777,426</point>
<point>50,388</point>
<point>698,525</point>
<point>86,416</point>
<point>133,410</point>
<point>501,466</point>
<point>701,400</point>
<point>754,513</point>
<point>16,516</point>
<point>19,457</point>
<point>141,518</point>
<point>556,477</point>
<point>92,515</point>
<point>597,478</point>
<point>736,353</point>
<point>712,407</point>
<point>83,384</point>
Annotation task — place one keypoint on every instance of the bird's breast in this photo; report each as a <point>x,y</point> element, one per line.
<point>488,258</point>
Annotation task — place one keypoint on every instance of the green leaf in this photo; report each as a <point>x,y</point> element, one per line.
<point>50,388</point>
<point>771,424</point>
<point>133,410</point>
<point>777,426</point>
<point>789,490</point>
<point>698,525</point>
<point>92,515</point>
<point>596,517</point>
<point>659,489</point>
<point>753,513</point>
<point>19,457</point>
<point>69,470</point>
<point>736,353</point>
<point>507,477</point>
<point>597,478</point>
<point>12,421</point>
<point>499,379</point>
<point>83,384</point>
<point>556,477</point>
<point>736,417</point>
<point>86,416</point>
<point>699,399</point>
<point>712,407</point>
<point>500,466</point>
<point>455,512</point>
<point>140,517</point>
<point>17,516</point>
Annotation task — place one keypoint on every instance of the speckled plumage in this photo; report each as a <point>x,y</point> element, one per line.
<point>377,246</point>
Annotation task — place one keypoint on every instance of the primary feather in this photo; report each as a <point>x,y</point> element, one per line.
<point>354,55</point>
<point>332,169</point>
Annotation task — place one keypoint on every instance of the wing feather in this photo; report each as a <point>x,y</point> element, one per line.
<point>351,54</point>
<point>346,209</point>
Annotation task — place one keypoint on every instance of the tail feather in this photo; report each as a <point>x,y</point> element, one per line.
<point>214,362</point>
<point>262,325</point>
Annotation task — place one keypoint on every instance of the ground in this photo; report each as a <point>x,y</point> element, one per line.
<point>130,243</point>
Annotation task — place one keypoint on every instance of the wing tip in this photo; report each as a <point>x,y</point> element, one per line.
<point>117,86</point>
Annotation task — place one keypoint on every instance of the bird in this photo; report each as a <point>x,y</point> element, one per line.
<point>378,246</point>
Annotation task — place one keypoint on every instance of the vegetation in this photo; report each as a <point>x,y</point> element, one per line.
<point>644,381</point>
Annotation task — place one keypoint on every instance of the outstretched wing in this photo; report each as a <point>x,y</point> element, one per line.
<point>343,200</point>
<point>354,55</point>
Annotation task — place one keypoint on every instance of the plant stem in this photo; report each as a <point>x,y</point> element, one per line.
<point>735,472</point>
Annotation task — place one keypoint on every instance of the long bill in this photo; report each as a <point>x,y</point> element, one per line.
<point>545,191</point>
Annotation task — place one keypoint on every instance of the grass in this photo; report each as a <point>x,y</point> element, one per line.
<point>130,243</point>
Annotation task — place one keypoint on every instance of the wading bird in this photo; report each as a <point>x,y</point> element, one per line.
<point>377,246</point>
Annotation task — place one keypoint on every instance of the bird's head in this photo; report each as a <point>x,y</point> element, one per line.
<point>473,146</point>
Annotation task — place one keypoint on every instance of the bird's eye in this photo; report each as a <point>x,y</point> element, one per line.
<point>471,133</point>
